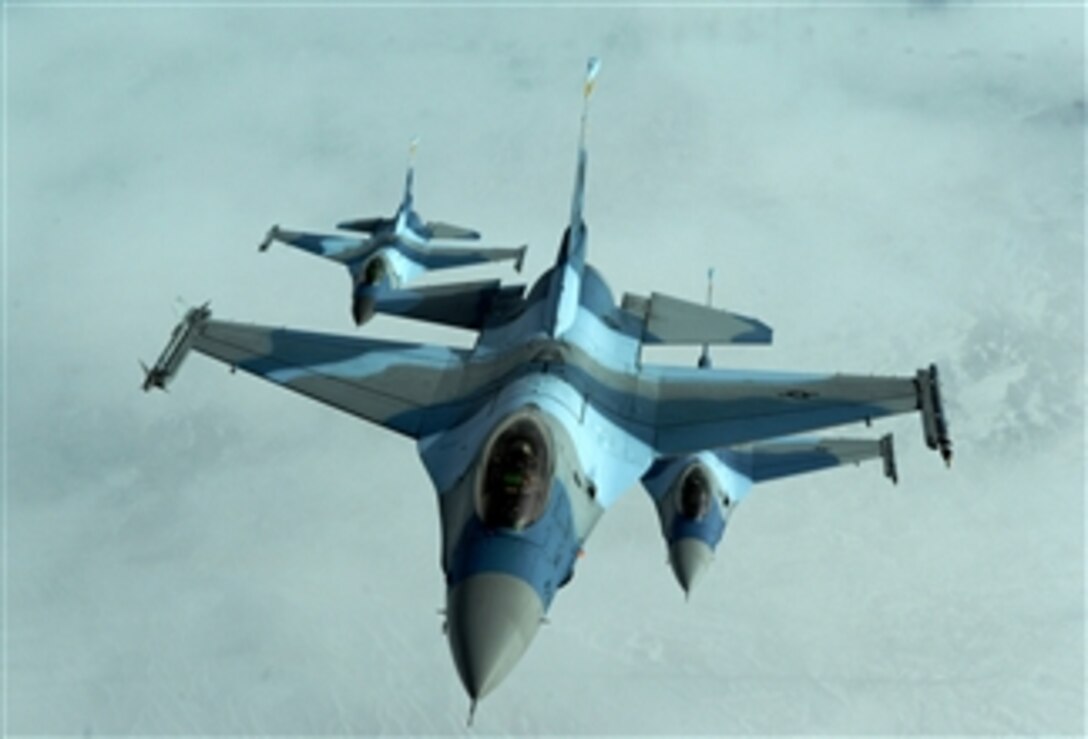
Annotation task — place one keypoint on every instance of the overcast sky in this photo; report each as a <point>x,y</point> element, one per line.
<point>885,186</point>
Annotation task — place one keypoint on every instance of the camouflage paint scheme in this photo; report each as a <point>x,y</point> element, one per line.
<point>566,360</point>
<point>398,250</point>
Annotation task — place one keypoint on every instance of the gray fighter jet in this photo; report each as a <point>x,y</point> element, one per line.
<point>396,251</point>
<point>532,434</point>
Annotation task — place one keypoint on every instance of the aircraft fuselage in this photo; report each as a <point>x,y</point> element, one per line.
<point>512,530</point>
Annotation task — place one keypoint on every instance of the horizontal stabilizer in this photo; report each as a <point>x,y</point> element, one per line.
<point>366,225</point>
<point>772,460</point>
<point>440,230</point>
<point>468,305</point>
<point>667,320</point>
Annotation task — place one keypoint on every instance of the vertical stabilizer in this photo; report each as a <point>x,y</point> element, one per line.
<point>566,285</point>
<point>575,241</point>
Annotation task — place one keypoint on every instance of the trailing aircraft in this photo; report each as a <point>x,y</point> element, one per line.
<point>534,432</point>
<point>396,251</point>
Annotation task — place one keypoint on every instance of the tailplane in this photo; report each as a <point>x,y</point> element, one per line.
<point>574,241</point>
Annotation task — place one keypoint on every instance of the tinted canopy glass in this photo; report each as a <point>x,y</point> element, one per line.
<point>695,494</point>
<point>516,476</point>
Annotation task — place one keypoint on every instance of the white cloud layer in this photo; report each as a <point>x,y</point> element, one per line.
<point>886,186</point>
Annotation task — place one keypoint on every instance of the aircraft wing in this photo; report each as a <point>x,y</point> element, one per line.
<point>690,410</point>
<point>347,250</point>
<point>408,388</point>
<point>468,305</point>
<point>440,256</point>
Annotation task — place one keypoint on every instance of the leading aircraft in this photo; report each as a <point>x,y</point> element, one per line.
<point>534,432</point>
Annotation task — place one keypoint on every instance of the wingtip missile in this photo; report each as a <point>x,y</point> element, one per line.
<point>177,348</point>
<point>152,378</point>
<point>272,235</point>
<point>934,420</point>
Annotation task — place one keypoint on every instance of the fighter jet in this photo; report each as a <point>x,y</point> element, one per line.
<point>534,432</point>
<point>396,251</point>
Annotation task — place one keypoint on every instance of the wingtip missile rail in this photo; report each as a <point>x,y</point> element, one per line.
<point>934,422</point>
<point>272,235</point>
<point>181,341</point>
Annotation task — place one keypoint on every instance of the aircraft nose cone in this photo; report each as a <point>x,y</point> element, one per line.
<point>690,559</point>
<point>362,307</point>
<point>492,618</point>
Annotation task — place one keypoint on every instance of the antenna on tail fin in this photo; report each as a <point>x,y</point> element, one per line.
<point>410,176</point>
<point>704,358</point>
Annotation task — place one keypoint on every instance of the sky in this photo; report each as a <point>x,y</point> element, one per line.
<point>885,185</point>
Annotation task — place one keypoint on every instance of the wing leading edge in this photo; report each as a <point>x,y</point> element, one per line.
<point>407,388</point>
<point>690,410</point>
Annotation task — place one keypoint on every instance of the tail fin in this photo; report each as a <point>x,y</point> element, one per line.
<point>565,290</point>
<point>574,244</point>
<point>408,219</point>
<point>404,210</point>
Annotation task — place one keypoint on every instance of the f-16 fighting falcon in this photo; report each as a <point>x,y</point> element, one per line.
<point>397,250</point>
<point>534,432</point>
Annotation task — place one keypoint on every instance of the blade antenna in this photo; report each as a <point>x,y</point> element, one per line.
<point>410,176</point>
<point>704,358</point>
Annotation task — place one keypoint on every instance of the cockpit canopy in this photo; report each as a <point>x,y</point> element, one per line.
<point>696,494</point>
<point>375,271</point>
<point>517,476</point>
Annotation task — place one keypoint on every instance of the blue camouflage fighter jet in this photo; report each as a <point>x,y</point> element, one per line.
<point>396,251</point>
<point>532,434</point>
